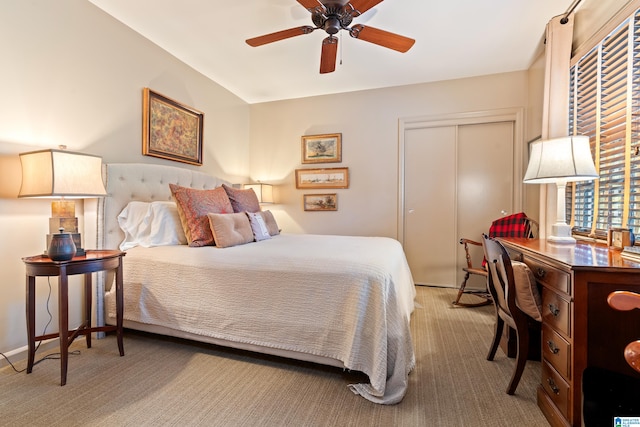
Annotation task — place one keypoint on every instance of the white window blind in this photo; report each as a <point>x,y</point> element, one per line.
<point>605,105</point>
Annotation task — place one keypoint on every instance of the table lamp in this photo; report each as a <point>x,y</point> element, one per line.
<point>263,191</point>
<point>558,161</point>
<point>62,175</point>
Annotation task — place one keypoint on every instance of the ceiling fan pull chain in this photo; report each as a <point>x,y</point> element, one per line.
<point>340,48</point>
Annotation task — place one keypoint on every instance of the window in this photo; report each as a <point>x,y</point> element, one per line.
<point>605,105</point>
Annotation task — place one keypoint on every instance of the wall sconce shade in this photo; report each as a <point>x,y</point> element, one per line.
<point>558,161</point>
<point>263,191</point>
<point>58,173</point>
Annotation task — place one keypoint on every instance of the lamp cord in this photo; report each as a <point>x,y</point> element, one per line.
<point>48,356</point>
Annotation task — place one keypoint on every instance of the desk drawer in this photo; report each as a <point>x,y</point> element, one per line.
<point>549,276</point>
<point>556,312</point>
<point>556,388</point>
<point>556,350</point>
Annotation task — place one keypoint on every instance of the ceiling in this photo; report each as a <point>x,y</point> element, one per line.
<point>454,39</point>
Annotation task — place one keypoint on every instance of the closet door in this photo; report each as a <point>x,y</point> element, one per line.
<point>457,180</point>
<point>485,184</point>
<point>430,200</point>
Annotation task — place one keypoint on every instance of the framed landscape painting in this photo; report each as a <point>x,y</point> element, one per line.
<point>322,148</point>
<point>322,178</point>
<point>320,202</point>
<point>171,130</point>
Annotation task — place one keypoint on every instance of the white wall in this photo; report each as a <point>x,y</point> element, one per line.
<point>368,121</point>
<point>73,75</point>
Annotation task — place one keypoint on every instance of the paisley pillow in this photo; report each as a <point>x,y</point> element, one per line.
<point>242,200</point>
<point>193,207</point>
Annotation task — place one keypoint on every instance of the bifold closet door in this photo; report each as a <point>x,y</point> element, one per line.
<point>457,180</point>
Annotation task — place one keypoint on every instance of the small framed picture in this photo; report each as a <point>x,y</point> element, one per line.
<point>322,178</point>
<point>320,202</point>
<point>322,148</point>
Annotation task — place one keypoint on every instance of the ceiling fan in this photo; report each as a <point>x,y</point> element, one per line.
<point>333,16</point>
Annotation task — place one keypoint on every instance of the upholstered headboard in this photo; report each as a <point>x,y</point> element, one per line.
<point>126,182</point>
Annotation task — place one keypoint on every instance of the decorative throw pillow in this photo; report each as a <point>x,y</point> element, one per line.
<point>270,221</point>
<point>258,226</point>
<point>527,294</point>
<point>230,229</point>
<point>242,200</point>
<point>193,207</point>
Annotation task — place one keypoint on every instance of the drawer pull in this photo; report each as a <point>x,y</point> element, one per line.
<point>552,347</point>
<point>554,310</point>
<point>541,272</point>
<point>552,385</point>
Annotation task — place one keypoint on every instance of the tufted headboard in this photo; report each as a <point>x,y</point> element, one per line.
<point>126,182</point>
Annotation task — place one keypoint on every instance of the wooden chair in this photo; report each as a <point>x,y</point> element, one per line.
<point>525,227</point>
<point>625,301</point>
<point>506,287</point>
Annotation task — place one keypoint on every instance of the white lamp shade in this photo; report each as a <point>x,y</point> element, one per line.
<point>59,173</point>
<point>263,191</point>
<point>567,158</point>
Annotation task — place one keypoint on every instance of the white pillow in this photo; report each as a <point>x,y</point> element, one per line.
<point>151,224</point>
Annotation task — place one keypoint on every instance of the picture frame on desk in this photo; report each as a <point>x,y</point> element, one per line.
<point>619,238</point>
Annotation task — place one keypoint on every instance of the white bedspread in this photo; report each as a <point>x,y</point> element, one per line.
<point>347,298</point>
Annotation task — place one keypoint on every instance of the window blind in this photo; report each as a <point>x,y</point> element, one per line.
<point>604,104</point>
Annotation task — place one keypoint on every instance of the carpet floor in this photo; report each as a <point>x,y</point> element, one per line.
<point>163,381</point>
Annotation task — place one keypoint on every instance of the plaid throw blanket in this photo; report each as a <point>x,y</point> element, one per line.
<point>515,225</point>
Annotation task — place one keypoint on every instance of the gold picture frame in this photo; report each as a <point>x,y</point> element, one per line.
<point>322,178</point>
<point>325,148</point>
<point>171,130</point>
<point>320,202</point>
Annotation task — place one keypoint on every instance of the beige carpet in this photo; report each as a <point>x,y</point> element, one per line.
<point>170,382</point>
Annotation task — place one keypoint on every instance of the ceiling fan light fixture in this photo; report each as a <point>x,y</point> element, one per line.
<point>332,25</point>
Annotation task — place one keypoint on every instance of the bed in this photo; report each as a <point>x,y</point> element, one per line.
<point>335,300</point>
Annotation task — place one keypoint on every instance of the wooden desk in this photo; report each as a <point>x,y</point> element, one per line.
<point>579,329</point>
<point>93,261</point>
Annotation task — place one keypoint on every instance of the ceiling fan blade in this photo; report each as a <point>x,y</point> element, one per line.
<point>381,38</point>
<point>279,35</point>
<point>311,5</point>
<point>361,6</point>
<point>329,54</point>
